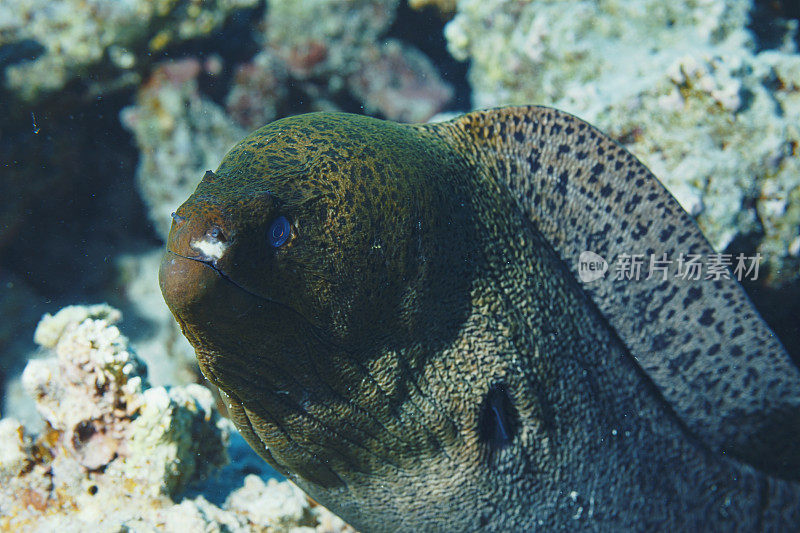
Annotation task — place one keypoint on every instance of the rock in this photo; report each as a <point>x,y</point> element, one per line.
<point>73,36</point>
<point>118,454</point>
<point>681,85</point>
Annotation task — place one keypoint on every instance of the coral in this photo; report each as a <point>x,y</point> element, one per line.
<point>334,47</point>
<point>400,83</point>
<point>280,505</point>
<point>180,134</point>
<point>325,38</point>
<point>152,330</point>
<point>51,328</point>
<point>78,34</point>
<point>95,395</point>
<point>14,446</point>
<point>117,454</point>
<point>259,88</point>
<point>679,84</point>
<point>288,507</point>
<point>171,442</point>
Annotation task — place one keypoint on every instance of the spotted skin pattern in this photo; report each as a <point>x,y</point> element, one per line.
<point>700,341</point>
<point>420,356</point>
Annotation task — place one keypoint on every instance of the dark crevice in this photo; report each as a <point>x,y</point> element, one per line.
<point>424,29</point>
<point>71,205</point>
<point>768,21</point>
<point>236,42</point>
<point>778,306</point>
<point>70,183</point>
<point>19,51</point>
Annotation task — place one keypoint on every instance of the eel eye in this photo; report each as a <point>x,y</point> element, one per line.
<point>279,232</point>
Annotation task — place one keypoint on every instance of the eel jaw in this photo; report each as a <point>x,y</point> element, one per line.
<point>206,303</point>
<point>185,281</point>
<point>229,328</point>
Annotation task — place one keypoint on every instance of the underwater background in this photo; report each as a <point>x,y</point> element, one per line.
<point>111,112</point>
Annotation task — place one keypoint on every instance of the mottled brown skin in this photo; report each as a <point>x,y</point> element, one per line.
<point>419,355</point>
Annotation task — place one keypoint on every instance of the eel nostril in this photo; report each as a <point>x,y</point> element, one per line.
<point>211,245</point>
<point>216,233</point>
<point>177,218</point>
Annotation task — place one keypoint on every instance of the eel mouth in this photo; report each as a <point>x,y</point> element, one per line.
<point>189,284</point>
<point>212,265</point>
<point>224,321</point>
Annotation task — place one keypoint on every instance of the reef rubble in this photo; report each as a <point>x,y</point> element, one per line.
<point>116,453</point>
<point>71,38</point>
<point>683,85</point>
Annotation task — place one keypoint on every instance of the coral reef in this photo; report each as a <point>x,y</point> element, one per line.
<point>283,506</point>
<point>325,39</point>
<point>76,35</point>
<point>681,85</point>
<point>118,454</point>
<point>331,47</point>
<point>400,83</point>
<point>152,331</point>
<point>95,397</point>
<point>259,90</point>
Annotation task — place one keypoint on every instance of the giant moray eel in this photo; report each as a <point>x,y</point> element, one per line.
<point>393,315</point>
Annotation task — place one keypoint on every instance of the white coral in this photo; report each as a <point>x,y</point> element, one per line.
<point>679,82</point>
<point>76,34</point>
<point>116,452</point>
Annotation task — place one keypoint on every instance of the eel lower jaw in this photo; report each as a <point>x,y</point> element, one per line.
<point>203,298</point>
<point>212,264</point>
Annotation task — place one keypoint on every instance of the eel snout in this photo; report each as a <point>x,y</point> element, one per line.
<point>189,274</point>
<point>185,282</point>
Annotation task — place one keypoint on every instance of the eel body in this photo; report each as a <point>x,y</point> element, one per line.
<point>394,317</point>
